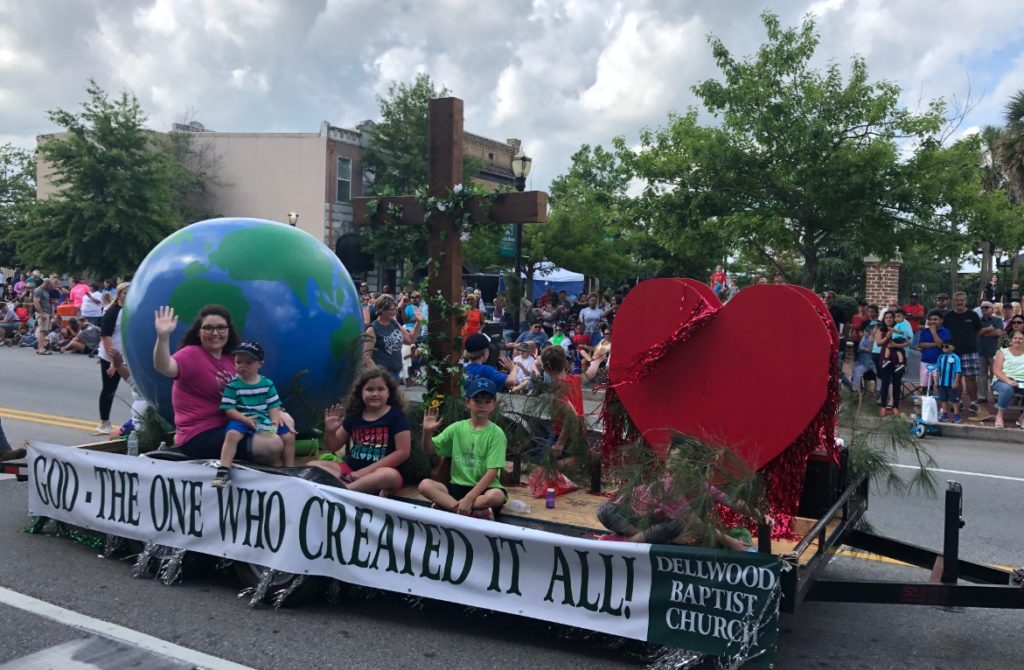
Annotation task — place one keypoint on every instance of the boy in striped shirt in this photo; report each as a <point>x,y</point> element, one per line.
<point>251,403</point>
<point>947,369</point>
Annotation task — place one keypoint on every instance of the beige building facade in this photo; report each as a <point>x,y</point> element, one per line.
<point>315,175</point>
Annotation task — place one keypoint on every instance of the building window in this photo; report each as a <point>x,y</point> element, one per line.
<point>344,193</point>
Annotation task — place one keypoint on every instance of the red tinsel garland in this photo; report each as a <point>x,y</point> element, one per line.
<point>617,428</point>
<point>784,476</point>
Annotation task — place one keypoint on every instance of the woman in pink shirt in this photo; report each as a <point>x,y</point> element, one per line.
<point>77,292</point>
<point>200,370</point>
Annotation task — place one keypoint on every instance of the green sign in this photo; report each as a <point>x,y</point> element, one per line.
<point>718,602</point>
<point>507,247</point>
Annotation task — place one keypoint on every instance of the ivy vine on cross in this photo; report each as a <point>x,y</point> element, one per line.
<point>444,248</point>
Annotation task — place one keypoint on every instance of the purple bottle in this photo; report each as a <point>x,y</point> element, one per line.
<point>549,501</point>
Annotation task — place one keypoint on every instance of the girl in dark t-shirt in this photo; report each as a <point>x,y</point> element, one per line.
<point>376,431</point>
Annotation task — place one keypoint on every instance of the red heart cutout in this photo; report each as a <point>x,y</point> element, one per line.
<point>753,377</point>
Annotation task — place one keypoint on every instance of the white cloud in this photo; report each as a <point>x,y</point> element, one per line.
<point>247,79</point>
<point>555,73</point>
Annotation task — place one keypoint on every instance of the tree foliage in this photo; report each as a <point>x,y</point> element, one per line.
<point>115,184</point>
<point>806,164</point>
<point>17,194</point>
<point>396,163</point>
<point>590,229</point>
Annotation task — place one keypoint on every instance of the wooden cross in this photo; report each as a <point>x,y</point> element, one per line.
<point>444,171</point>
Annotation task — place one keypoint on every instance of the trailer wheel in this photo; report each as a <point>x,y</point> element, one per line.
<point>920,430</point>
<point>311,587</point>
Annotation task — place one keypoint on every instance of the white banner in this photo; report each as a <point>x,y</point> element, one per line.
<point>293,525</point>
<point>296,526</point>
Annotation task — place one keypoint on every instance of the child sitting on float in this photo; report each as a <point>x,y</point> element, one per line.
<point>567,416</point>
<point>375,430</point>
<point>477,449</point>
<point>662,510</point>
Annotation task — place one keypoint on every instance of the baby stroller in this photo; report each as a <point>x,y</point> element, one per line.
<point>928,422</point>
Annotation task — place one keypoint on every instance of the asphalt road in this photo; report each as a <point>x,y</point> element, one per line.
<point>367,629</point>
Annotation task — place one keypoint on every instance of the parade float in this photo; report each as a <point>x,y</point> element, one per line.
<point>685,367</point>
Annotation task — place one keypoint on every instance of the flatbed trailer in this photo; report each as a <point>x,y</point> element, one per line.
<point>954,582</point>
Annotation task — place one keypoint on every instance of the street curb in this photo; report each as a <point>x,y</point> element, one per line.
<point>1011,434</point>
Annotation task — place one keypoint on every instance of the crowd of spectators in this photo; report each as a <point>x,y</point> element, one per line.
<point>52,314</point>
<point>963,348</point>
<point>577,324</point>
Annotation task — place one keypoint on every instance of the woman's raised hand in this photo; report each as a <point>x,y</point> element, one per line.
<point>166,321</point>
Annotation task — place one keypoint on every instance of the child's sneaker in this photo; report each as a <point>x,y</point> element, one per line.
<point>221,479</point>
<point>956,418</point>
<point>943,417</point>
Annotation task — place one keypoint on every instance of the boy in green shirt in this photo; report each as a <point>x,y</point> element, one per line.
<point>477,449</point>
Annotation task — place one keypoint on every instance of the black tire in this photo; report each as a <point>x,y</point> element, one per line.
<point>249,574</point>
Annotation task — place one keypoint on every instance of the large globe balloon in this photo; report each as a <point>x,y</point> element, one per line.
<point>284,289</point>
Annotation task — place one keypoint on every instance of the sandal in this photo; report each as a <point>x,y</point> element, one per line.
<point>1000,424</point>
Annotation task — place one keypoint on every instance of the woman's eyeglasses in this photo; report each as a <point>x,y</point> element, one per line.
<point>214,329</point>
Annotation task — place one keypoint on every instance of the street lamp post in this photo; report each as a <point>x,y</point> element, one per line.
<point>293,219</point>
<point>521,165</point>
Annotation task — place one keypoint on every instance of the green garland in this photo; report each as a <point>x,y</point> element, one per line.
<point>455,204</point>
<point>435,369</point>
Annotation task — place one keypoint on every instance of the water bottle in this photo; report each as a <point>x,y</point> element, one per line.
<point>519,507</point>
<point>133,443</point>
<point>549,501</point>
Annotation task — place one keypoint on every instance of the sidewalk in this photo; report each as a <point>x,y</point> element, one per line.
<point>968,429</point>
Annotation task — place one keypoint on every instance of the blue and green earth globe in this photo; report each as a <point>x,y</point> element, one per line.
<point>284,289</point>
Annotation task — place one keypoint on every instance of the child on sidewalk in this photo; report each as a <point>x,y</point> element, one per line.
<point>477,351</point>
<point>477,449</point>
<point>525,365</point>
<point>250,400</point>
<point>902,336</point>
<point>948,379</point>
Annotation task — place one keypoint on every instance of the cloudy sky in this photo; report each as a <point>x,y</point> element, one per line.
<point>555,74</point>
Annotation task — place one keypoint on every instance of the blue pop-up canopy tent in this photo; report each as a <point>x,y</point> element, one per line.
<point>559,279</point>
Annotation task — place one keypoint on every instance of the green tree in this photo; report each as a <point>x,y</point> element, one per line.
<point>395,163</point>
<point>1011,146</point>
<point>589,228</point>
<point>17,194</point>
<point>115,181</point>
<point>797,160</point>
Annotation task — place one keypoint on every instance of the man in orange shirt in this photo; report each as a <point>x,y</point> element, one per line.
<point>915,314</point>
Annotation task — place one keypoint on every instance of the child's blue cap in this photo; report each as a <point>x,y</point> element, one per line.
<point>480,385</point>
<point>249,348</point>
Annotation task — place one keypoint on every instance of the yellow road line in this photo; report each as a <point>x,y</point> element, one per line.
<point>866,555</point>
<point>76,424</point>
<point>41,415</point>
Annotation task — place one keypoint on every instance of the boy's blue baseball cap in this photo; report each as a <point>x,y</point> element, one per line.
<point>480,385</point>
<point>250,348</point>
